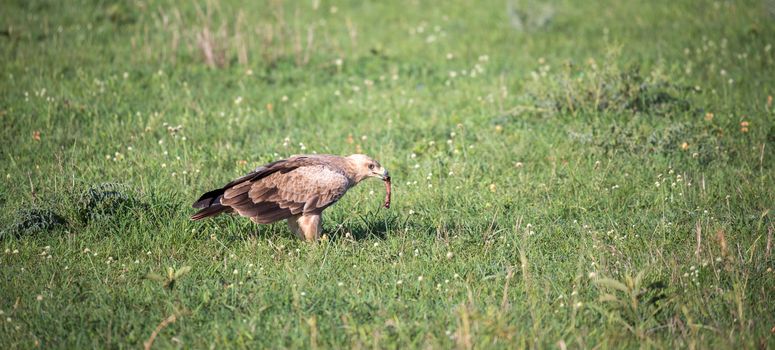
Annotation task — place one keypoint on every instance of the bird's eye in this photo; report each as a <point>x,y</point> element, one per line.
<point>371,166</point>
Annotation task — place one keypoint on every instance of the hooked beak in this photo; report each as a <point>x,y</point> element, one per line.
<point>384,176</point>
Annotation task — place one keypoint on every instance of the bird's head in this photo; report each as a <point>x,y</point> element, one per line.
<point>366,167</point>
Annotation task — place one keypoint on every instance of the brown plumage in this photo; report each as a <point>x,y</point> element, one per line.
<point>297,189</point>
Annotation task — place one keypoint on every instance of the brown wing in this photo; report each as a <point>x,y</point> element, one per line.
<point>280,195</point>
<point>212,198</point>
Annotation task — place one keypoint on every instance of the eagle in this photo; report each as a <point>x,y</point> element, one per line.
<point>296,189</point>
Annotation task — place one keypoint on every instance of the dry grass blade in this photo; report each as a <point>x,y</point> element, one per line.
<point>722,241</point>
<point>698,231</point>
<point>163,324</point>
<point>768,248</point>
<point>611,283</point>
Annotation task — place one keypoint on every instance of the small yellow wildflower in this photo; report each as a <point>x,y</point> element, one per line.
<point>744,126</point>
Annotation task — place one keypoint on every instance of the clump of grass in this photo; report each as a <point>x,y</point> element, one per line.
<point>220,38</point>
<point>632,303</point>
<point>529,15</point>
<point>119,13</point>
<point>688,138</point>
<point>609,87</point>
<point>31,221</point>
<point>172,276</point>
<point>106,200</point>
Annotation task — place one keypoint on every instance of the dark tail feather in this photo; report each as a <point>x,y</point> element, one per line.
<point>208,199</point>
<point>212,210</point>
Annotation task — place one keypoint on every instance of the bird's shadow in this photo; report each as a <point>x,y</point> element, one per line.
<point>372,225</point>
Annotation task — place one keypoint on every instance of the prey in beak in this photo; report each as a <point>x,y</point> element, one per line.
<point>383,175</point>
<point>386,179</point>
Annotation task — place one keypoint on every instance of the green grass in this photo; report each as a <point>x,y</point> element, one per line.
<point>603,179</point>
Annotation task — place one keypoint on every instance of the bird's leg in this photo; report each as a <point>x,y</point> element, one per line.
<point>311,226</point>
<point>293,224</point>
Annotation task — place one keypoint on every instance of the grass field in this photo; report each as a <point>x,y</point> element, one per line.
<point>566,174</point>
